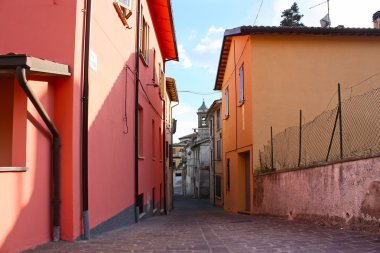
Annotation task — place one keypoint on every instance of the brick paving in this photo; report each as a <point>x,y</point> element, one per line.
<point>195,226</point>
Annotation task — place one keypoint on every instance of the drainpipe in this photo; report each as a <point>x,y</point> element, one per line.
<point>164,153</point>
<point>137,69</point>
<point>21,77</point>
<point>85,92</point>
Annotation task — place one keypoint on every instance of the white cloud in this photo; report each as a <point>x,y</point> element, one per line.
<point>212,41</point>
<point>184,59</point>
<point>186,117</point>
<point>192,35</point>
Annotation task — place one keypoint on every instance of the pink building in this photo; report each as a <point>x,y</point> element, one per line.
<point>81,116</point>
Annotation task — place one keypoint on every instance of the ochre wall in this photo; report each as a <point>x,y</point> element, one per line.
<point>290,73</point>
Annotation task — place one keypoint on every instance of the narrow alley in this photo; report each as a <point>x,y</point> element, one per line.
<point>196,226</point>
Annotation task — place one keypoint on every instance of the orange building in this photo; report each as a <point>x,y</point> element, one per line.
<point>267,74</point>
<point>82,122</point>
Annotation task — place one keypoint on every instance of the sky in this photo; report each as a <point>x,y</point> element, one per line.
<point>200,25</point>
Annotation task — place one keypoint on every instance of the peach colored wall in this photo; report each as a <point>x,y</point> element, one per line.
<point>47,33</point>
<point>290,73</point>
<point>25,196</point>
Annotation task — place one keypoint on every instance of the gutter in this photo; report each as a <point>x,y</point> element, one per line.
<point>85,88</point>
<point>137,69</point>
<point>21,77</point>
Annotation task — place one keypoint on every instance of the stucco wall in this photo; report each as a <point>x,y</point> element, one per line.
<point>345,194</point>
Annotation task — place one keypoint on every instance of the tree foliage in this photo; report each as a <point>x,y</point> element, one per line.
<point>291,17</point>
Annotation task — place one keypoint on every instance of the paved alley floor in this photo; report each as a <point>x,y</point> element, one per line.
<point>195,226</point>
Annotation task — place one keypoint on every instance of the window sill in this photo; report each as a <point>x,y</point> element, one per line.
<point>14,169</point>
<point>141,158</point>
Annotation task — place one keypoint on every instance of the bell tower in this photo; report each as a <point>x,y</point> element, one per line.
<point>202,112</point>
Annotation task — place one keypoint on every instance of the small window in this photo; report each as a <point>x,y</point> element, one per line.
<point>218,119</point>
<point>218,150</point>
<point>144,39</point>
<point>241,76</point>
<point>204,121</point>
<point>162,81</point>
<point>154,66</point>
<point>228,175</point>
<point>227,102</point>
<point>218,186</point>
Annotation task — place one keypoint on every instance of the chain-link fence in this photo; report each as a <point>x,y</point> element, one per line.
<point>352,129</point>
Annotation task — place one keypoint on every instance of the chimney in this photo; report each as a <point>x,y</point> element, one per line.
<point>376,20</point>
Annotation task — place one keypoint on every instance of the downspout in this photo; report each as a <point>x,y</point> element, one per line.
<point>85,102</point>
<point>164,153</point>
<point>137,69</point>
<point>21,77</point>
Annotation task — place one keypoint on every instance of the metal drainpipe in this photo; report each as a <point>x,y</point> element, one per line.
<point>137,69</point>
<point>164,153</point>
<point>21,77</point>
<point>85,92</point>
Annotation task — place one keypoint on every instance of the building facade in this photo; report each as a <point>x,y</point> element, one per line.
<point>267,74</point>
<point>216,161</point>
<point>93,68</point>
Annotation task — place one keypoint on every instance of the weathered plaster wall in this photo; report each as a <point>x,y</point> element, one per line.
<point>345,194</point>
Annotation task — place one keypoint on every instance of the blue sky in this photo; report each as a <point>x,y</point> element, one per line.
<point>200,25</point>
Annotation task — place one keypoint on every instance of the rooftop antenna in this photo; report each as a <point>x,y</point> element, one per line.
<point>325,21</point>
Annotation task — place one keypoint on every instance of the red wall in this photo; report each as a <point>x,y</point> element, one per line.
<point>54,32</point>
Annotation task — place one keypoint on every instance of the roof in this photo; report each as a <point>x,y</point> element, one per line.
<point>375,16</point>
<point>9,62</point>
<point>203,107</point>
<point>189,136</point>
<point>162,17</point>
<point>215,105</point>
<point>275,30</point>
<point>171,89</point>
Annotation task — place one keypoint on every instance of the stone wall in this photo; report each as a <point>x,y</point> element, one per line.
<point>343,194</point>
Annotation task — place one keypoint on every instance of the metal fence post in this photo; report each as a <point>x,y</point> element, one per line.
<point>271,147</point>
<point>340,122</point>
<point>300,141</point>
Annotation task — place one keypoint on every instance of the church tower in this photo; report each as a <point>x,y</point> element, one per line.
<point>202,112</point>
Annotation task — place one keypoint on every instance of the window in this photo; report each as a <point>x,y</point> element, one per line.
<point>218,150</point>
<point>204,121</point>
<point>218,119</point>
<point>154,66</point>
<point>227,102</point>
<point>153,140</point>
<point>218,186</point>
<point>162,81</point>
<point>166,149</point>
<point>13,122</point>
<point>144,38</point>
<point>228,175</point>
<point>211,127</point>
<point>140,130</point>
<point>123,9</point>
<point>241,76</point>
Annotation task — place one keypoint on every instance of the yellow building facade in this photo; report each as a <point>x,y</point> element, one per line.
<point>268,74</point>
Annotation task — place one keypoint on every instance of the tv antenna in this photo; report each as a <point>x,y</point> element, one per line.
<point>325,21</point>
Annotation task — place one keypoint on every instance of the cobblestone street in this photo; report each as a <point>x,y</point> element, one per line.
<point>195,226</point>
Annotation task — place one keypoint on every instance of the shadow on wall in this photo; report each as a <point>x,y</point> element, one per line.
<point>28,194</point>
